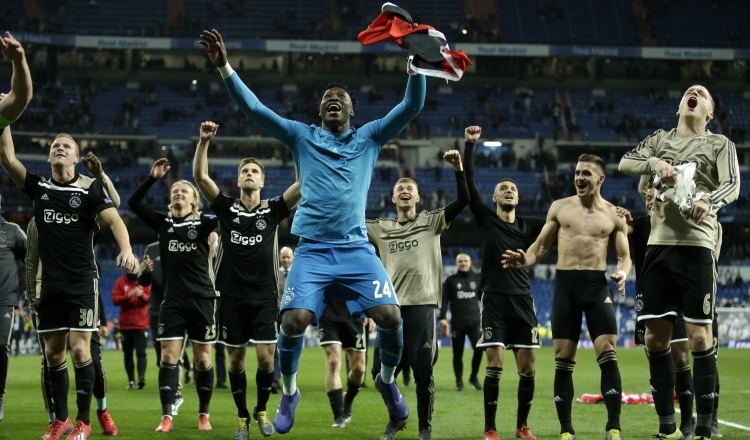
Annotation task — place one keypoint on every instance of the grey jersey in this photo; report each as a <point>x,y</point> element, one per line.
<point>411,255</point>
<point>717,175</point>
<point>12,250</point>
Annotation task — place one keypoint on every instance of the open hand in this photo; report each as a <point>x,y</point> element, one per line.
<point>160,168</point>
<point>214,45</point>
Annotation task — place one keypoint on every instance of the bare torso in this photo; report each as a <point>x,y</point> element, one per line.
<point>584,233</point>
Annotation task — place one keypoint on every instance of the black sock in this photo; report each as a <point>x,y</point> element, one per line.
<point>661,365</point>
<point>611,387</point>
<point>59,384</point>
<point>238,385</point>
<point>169,376</point>
<point>564,393</point>
<point>704,382</point>
<point>335,398</point>
<point>476,360</point>
<point>84,372</point>
<point>264,382</point>
<point>525,398</point>
<point>352,390</point>
<point>100,377</point>
<point>716,400</point>
<point>4,359</point>
<point>492,377</point>
<point>683,386</point>
<point>204,383</point>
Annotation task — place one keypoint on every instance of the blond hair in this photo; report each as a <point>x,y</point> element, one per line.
<point>67,136</point>
<point>406,180</point>
<point>198,205</point>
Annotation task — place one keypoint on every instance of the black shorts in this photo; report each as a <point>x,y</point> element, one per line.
<point>68,305</point>
<point>196,316</point>
<point>677,279</point>
<point>246,320</point>
<point>349,334</point>
<point>577,292</point>
<point>7,318</point>
<point>508,321</point>
<point>679,332</point>
<point>460,330</point>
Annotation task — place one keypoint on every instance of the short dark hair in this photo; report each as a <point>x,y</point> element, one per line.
<point>507,179</point>
<point>343,86</point>
<point>592,158</point>
<point>248,160</point>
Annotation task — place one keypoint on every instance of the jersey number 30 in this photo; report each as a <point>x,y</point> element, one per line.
<point>386,289</point>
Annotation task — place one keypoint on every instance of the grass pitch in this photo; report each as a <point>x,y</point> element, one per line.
<point>457,416</point>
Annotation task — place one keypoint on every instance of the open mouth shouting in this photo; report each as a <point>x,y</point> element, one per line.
<point>692,102</point>
<point>581,187</point>
<point>334,109</point>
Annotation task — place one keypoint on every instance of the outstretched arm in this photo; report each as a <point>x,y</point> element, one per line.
<point>519,259</point>
<point>292,195</point>
<point>126,259</point>
<point>471,136</point>
<point>152,218</point>
<point>453,157</point>
<point>624,265</point>
<point>280,128</point>
<point>15,102</point>
<point>383,130</point>
<point>12,165</point>
<point>94,166</point>
<point>200,162</point>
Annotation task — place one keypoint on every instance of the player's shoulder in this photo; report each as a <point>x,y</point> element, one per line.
<point>84,182</point>
<point>434,212</point>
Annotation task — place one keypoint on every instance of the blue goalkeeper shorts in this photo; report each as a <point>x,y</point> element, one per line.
<point>322,271</point>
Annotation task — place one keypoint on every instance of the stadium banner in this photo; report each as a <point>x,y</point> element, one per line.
<point>122,42</point>
<point>192,43</point>
<point>313,46</point>
<point>474,49</point>
<point>596,51</point>
<point>46,39</point>
<point>505,50</point>
<point>686,53</point>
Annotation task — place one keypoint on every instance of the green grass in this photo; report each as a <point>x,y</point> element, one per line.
<point>458,415</point>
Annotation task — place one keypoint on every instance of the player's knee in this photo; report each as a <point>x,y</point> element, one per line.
<point>386,316</point>
<point>80,353</point>
<point>203,363</point>
<point>333,364</point>
<point>699,341</point>
<point>293,322</point>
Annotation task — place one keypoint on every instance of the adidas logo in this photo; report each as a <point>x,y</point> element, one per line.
<point>559,399</point>
<point>708,396</point>
<point>7,315</point>
<point>166,388</point>
<point>493,403</point>
<point>612,392</point>
<point>427,345</point>
<point>653,390</point>
<point>608,301</point>
<point>83,392</point>
<point>205,388</point>
<point>238,391</point>
<point>170,230</point>
<point>236,220</point>
<point>686,393</point>
<point>44,197</point>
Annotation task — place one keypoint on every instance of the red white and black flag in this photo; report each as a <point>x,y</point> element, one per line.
<point>429,53</point>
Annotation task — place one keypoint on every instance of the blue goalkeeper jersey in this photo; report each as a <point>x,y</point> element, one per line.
<point>335,169</point>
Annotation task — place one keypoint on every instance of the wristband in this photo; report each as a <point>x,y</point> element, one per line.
<point>226,70</point>
<point>624,275</point>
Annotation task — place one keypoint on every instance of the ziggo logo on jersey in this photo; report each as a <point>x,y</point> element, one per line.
<point>50,216</point>
<point>238,238</point>
<point>178,246</point>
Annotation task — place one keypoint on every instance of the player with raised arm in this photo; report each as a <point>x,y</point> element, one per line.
<point>190,299</point>
<point>335,163</point>
<point>508,311</point>
<point>68,205</point>
<point>246,277</point>
<point>410,249</point>
<point>13,103</point>
<point>583,225</point>
<point>698,173</point>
